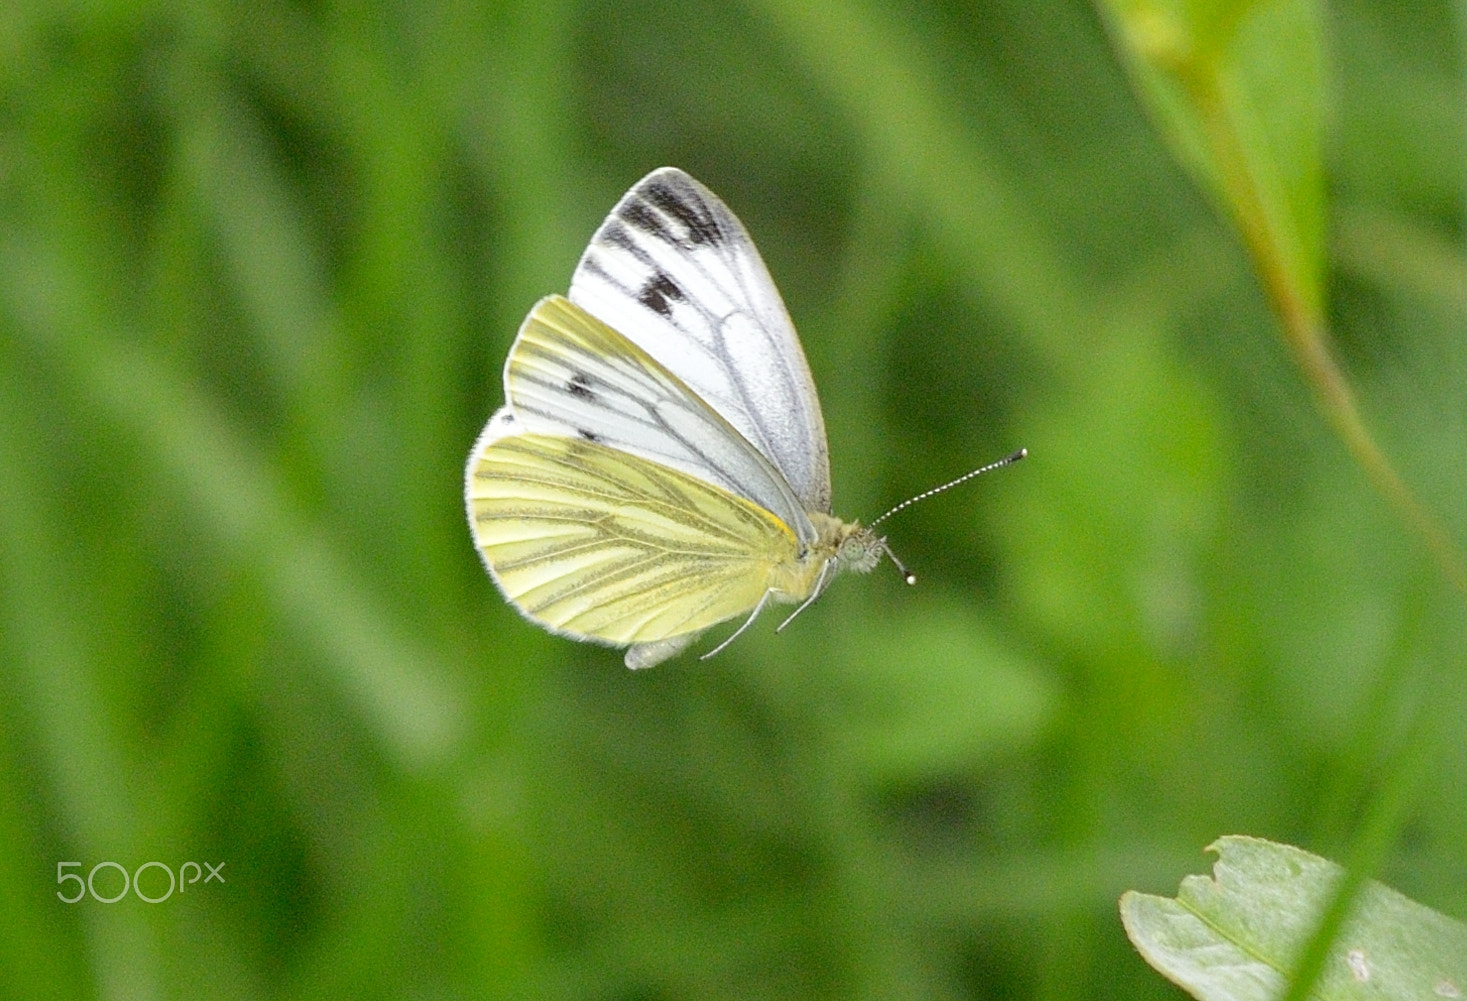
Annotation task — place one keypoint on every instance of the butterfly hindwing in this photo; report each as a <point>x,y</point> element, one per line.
<point>571,375</point>
<point>676,271</point>
<point>598,544</point>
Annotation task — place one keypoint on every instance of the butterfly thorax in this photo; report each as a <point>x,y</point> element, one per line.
<point>840,544</point>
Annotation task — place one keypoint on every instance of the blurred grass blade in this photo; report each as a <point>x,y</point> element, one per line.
<point>921,147</point>
<point>267,255</point>
<point>1237,89</point>
<point>50,669</point>
<point>1393,252</point>
<point>1237,936</point>
<point>397,684</point>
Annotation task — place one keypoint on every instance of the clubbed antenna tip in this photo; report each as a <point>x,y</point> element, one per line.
<point>907,575</point>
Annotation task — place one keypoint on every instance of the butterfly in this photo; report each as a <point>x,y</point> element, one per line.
<point>660,463</point>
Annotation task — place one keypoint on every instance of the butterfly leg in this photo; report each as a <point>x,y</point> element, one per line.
<point>825,574</point>
<point>747,623</point>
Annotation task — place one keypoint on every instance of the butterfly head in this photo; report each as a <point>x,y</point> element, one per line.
<point>858,548</point>
<point>852,546</point>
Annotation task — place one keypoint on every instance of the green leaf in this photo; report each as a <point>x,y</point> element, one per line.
<point>939,692</point>
<point>1235,937</point>
<point>1237,89</point>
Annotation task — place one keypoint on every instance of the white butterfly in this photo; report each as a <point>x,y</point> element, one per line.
<point>660,464</point>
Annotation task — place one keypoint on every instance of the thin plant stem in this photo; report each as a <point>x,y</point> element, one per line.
<point>1306,333</point>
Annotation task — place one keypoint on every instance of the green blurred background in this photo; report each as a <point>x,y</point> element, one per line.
<point>259,267</point>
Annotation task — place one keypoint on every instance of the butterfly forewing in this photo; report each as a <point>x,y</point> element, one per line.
<point>569,374</point>
<point>601,545</point>
<point>675,270</point>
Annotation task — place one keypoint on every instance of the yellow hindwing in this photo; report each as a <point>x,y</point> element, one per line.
<point>603,545</point>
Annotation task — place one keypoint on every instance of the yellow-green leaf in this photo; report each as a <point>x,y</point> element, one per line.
<point>1237,89</point>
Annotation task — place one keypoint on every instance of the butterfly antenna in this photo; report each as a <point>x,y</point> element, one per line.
<point>1007,460</point>
<point>907,575</point>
